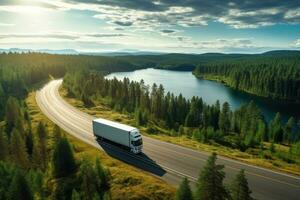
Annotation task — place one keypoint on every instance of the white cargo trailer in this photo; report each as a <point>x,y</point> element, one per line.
<point>119,133</point>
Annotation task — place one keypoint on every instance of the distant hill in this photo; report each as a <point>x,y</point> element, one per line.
<point>171,61</point>
<point>283,53</point>
<point>49,51</point>
<point>188,62</point>
<point>121,53</point>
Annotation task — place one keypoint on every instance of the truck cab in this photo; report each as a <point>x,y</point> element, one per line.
<point>136,141</point>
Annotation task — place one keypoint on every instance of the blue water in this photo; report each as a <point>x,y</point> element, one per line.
<point>188,85</point>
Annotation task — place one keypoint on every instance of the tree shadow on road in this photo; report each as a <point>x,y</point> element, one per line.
<point>141,161</point>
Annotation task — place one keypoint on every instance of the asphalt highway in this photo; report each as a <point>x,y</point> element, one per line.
<point>167,161</point>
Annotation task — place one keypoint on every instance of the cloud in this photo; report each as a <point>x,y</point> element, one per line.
<point>42,35</point>
<point>61,35</point>
<point>27,3</point>
<point>235,13</point>
<point>225,45</point>
<point>167,31</point>
<point>6,24</point>
<point>296,43</point>
<point>145,5</point>
<point>228,43</point>
<point>123,23</point>
<point>158,13</point>
<point>21,5</point>
<point>219,44</point>
<point>118,29</point>
<point>172,33</point>
<point>105,35</point>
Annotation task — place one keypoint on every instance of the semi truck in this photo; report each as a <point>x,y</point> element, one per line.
<point>122,134</point>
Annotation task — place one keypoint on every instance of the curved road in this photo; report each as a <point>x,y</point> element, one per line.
<point>167,161</point>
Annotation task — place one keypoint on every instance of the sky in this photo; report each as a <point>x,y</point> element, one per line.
<point>186,26</point>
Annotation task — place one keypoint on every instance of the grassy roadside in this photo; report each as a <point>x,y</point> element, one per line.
<point>253,156</point>
<point>127,182</point>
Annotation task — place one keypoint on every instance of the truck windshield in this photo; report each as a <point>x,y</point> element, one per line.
<point>137,142</point>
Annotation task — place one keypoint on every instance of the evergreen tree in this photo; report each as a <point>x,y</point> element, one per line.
<point>19,125</point>
<point>239,188</point>
<point>87,179</point>
<point>75,195</point>
<point>224,118</point>
<point>272,76</point>
<point>181,130</point>
<point>18,149</point>
<point>29,142</point>
<point>184,191</point>
<point>103,177</point>
<point>36,157</point>
<point>19,188</point>
<point>2,100</point>
<point>272,147</point>
<point>86,99</point>
<point>275,129</point>
<point>35,181</point>
<point>42,142</point>
<point>261,134</point>
<point>63,159</point>
<point>210,182</point>
<point>7,171</point>
<point>288,130</point>
<point>12,113</point>
<point>4,150</point>
<point>297,137</point>
<point>296,148</point>
<point>197,135</point>
<point>139,117</point>
<point>56,134</point>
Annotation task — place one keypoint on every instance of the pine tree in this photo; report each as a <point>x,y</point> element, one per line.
<point>86,99</point>
<point>56,134</point>
<point>224,118</point>
<point>181,130</point>
<point>29,142</point>
<point>35,181</point>
<point>2,100</point>
<point>296,148</point>
<point>87,179</point>
<point>288,130</point>
<point>138,117</point>
<point>103,176</point>
<point>272,147</point>
<point>18,149</point>
<point>7,171</point>
<point>63,159</point>
<point>42,142</point>
<point>75,195</point>
<point>261,134</point>
<point>19,188</point>
<point>12,113</point>
<point>297,137</point>
<point>239,188</point>
<point>4,151</point>
<point>36,157</point>
<point>184,191</point>
<point>210,181</point>
<point>275,128</point>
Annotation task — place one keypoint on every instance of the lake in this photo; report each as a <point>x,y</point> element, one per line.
<point>210,91</point>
